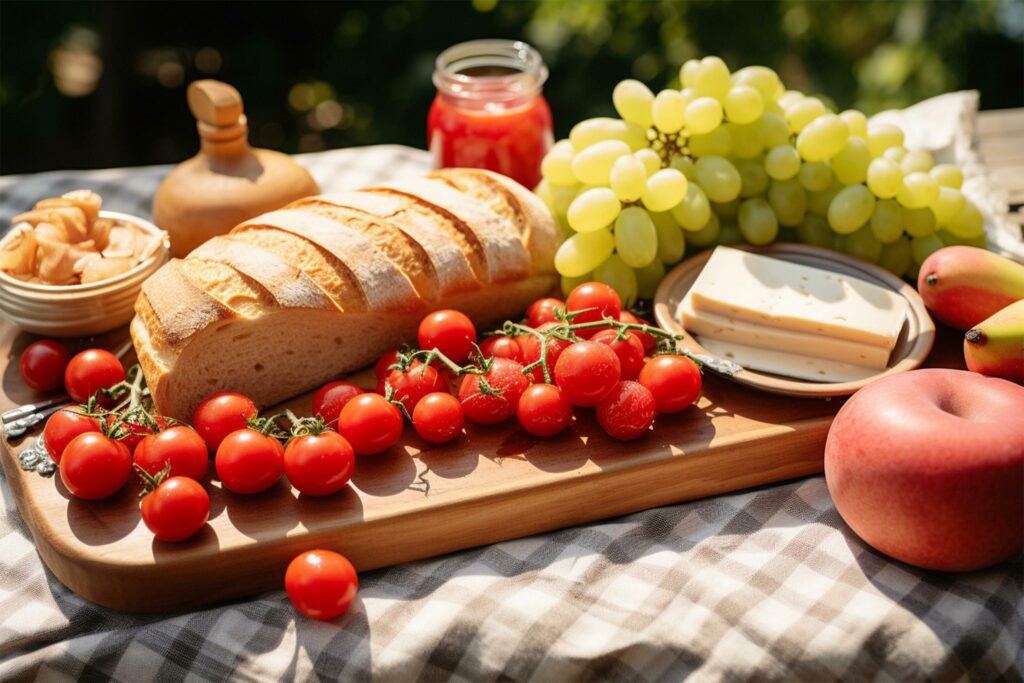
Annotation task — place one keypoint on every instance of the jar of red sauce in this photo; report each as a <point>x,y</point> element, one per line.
<point>490,111</point>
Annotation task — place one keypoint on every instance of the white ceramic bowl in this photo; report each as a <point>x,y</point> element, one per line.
<point>80,310</point>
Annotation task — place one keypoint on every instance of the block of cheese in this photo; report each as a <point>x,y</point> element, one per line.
<point>791,296</point>
<point>787,364</point>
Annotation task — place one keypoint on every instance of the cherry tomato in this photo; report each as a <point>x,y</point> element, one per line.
<point>331,398</point>
<point>627,411</point>
<point>63,426</point>
<point>132,433</point>
<point>176,509</point>
<point>43,364</point>
<point>221,414</point>
<point>90,371</point>
<point>543,311</point>
<point>321,584</point>
<point>450,332</point>
<point>597,300</point>
<point>648,340</point>
<point>675,382</point>
<point>500,346</point>
<point>586,372</point>
<point>383,366</point>
<point>179,447</point>
<point>249,462</point>
<point>629,350</point>
<point>319,464</point>
<point>370,424</point>
<point>544,410</point>
<point>438,417</point>
<point>94,466</point>
<point>415,383</point>
<point>529,345</point>
<point>492,397</point>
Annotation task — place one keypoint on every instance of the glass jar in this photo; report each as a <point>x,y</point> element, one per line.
<point>489,111</point>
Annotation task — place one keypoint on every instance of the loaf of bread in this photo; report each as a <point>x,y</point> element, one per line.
<point>294,298</point>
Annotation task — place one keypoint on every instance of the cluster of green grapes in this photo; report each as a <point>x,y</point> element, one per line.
<point>736,158</point>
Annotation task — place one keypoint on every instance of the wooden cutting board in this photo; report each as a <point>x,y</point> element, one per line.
<point>417,500</point>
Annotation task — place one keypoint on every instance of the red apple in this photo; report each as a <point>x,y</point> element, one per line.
<point>928,467</point>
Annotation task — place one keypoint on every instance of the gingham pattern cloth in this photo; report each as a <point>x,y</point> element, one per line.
<point>767,584</point>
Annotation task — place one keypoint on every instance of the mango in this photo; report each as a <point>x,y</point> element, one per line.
<point>995,346</point>
<point>963,285</point>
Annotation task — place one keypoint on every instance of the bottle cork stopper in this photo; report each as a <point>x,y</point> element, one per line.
<point>214,103</point>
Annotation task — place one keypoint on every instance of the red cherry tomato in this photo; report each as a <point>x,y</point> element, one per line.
<point>319,464</point>
<point>648,340</point>
<point>321,584</point>
<point>438,417</point>
<point>131,433</point>
<point>500,346</point>
<point>543,311</point>
<point>597,300</point>
<point>221,414</point>
<point>383,366</point>
<point>675,382</point>
<point>90,371</point>
<point>415,383</point>
<point>629,350</point>
<point>492,397</point>
<point>627,411</point>
<point>43,364</point>
<point>94,467</point>
<point>529,345</point>
<point>249,462</point>
<point>450,332</point>
<point>180,447</point>
<point>331,398</point>
<point>586,372</point>
<point>63,426</point>
<point>176,509</point>
<point>370,424</point>
<point>544,410</point>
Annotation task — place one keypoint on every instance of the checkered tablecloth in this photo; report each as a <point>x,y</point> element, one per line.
<point>766,585</point>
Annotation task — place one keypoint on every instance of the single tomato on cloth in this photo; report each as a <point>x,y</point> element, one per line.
<point>321,584</point>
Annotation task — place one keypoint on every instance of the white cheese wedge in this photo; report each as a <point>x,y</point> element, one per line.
<point>728,329</point>
<point>789,296</point>
<point>786,364</point>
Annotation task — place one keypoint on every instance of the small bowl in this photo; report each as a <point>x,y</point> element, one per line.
<point>81,310</point>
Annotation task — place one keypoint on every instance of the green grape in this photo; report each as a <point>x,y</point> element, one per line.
<point>919,222</point>
<point>703,115</point>
<point>923,247</point>
<point>753,179</point>
<point>593,165</point>
<point>968,223</point>
<point>718,178</point>
<point>632,100</point>
<point>822,138</point>
<point>895,153</point>
<point>689,95</point>
<point>919,190</point>
<point>730,234</point>
<point>684,165</point>
<point>716,143</point>
<point>591,131</point>
<point>726,210</point>
<point>947,175</point>
<point>693,212</point>
<point>614,272</point>
<point>884,177</point>
<point>557,164</point>
<point>628,178</point>
<point>850,165</point>
<point>896,257</point>
<point>570,283</point>
<point>802,112</point>
<point>664,189</point>
<point>761,78</point>
<point>774,129</point>
<point>650,160</point>
<point>688,72</point>
<point>947,238</point>
<point>773,107</point>
<point>648,278</point>
<point>818,202</point>
<point>782,162</point>
<point>668,111</point>
<point>814,230</point>
<point>948,204</point>
<point>636,239</point>
<point>789,201</point>
<point>887,221</point>
<point>815,176</point>
<point>671,243</point>
<point>593,209</point>
<point>917,162</point>
<point>562,197</point>
<point>864,245</point>
<point>757,221</point>
<point>850,209</point>
<point>746,140</point>
<point>706,235</point>
<point>583,252</point>
<point>882,136</point>
<point>712,78</point>
<point>856,122</point>
<point>743,104</point>
<point>789,97</point>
